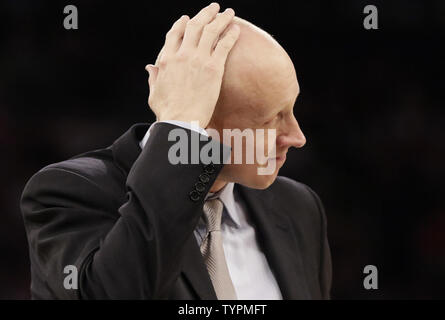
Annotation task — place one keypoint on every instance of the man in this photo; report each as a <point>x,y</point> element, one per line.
<point>131,224</point>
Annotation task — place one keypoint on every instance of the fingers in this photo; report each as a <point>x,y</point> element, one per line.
<point>196,24</point>
<point>226,43</point>
<point>203,32</point>
<point>152,74</point>
<point>213,30</point>
<point>174,36</point>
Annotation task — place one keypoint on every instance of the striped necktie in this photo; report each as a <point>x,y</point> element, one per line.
<point>213,252</point>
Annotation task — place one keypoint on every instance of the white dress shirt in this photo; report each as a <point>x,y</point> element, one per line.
<point>248,267</point>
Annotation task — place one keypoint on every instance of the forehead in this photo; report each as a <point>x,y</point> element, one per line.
<point>273,94</point>
<point>259,85</point>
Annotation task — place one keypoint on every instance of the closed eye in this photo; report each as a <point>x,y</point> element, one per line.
<point>269,121</point>
<point>277,116</point>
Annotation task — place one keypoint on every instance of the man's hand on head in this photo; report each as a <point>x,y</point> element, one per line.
<point>186,81</point>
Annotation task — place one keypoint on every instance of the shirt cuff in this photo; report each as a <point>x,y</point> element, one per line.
<point>182,124</point>
<point>187,125</point>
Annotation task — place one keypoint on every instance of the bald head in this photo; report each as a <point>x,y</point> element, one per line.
<point>255,51</point>
<point>257,70</point>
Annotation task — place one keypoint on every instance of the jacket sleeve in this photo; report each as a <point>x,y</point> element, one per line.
<point>130,253</point>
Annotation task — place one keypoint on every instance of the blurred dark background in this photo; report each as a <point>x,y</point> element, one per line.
<point>371,106</point>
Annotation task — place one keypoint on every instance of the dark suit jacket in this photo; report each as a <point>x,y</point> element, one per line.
<point>125,218</point>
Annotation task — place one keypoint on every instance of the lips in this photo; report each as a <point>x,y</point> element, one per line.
<point>281,158</point>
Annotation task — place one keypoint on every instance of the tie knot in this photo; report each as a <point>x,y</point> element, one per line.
<point>212,214</point>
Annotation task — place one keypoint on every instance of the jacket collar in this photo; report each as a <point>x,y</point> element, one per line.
<point>126,148</point>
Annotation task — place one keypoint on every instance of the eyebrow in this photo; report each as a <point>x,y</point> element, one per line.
<point>296,98</point>
<point>270,114</point>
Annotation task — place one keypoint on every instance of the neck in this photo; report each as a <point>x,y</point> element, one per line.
<point>217,185</point>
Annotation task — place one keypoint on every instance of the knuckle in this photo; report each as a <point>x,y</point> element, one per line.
<point>193,23</point>
<point>182,55</point>
<point>180,20</point>
<point>231,38</point>
<point>162,61</point>
<point>211,29</point>
<point>212,66</point>
<point>225,44</point>
<point>171,33</point>
<point>196,61</point>
<point>207,13</point>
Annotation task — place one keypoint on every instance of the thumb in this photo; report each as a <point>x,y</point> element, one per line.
<point>152,74</point>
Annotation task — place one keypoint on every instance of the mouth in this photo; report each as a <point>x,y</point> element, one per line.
<point>279,159</point>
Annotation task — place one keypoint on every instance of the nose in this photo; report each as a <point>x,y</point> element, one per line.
<point>292,136</point>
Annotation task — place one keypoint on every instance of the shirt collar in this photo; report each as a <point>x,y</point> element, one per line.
<point>227,197</point>
<point>143,142</point>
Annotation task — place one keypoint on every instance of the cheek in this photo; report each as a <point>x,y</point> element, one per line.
<point>247,175</point>
<point>263,146</point>
<point>243,171</point>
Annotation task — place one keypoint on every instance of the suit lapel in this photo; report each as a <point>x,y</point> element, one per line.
<point>195,271</point>
<point>277,240</point>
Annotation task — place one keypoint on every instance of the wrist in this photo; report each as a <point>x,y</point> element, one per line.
<point>189,119</point>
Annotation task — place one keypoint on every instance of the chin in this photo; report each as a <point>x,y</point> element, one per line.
<point>248,176</point>
<point>260,182</point>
